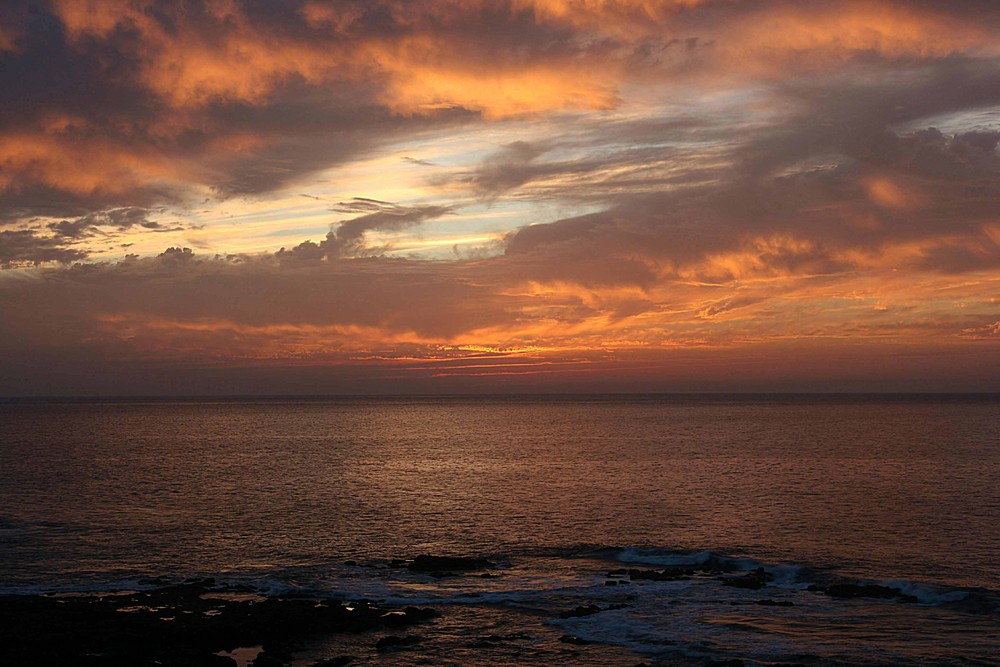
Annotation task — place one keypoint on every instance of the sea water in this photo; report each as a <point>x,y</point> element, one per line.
<point>322,495</point>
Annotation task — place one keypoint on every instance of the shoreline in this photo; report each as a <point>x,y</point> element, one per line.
<point>593,621</point>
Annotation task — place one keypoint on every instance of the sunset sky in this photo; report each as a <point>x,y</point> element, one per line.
<point>396,196</point>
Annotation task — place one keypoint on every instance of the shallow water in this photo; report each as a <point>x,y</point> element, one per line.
<point>280,493</point>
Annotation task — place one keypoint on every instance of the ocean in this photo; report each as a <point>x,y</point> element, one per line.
<point>572,498</point>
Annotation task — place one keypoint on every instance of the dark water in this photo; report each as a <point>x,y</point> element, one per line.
<point>899,490</point>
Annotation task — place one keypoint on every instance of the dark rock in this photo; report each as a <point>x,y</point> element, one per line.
<point>442,575</point>
<point>732,662</point>
<point>486,642</point>
<point>130,629</point>
<point>572,639</point>
<point>752,580</point>
<point>669,574</point>
<point>611,582</point>
<point>338,661</point>
<point>491,641</point>
<point>392,642</point>
<point>580,611</point>
<point>426,563</point>
<point>265,660</point>
<point>418,614</point>
<point>351,563</point>
<point>848,591</point>
<point>775,603</point>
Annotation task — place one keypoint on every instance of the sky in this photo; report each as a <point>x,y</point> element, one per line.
<point>486,196</point>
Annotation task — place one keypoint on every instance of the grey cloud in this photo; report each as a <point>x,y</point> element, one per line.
<point>348,239</point>
<point>24,247</point>
<point>118,218</point>
<point>815,178</point>
<point>426,298</point>
<point>509,167</point>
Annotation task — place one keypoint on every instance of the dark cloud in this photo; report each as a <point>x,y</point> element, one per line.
<point>348,239</point>
<point>258,294</point>
<point>827,191</point>
<point>119,218</point>
<point>23,247</point>
<point>751,172</point>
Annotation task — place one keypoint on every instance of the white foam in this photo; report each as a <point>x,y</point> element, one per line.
<point>926,593</point>
<point>665,558</point>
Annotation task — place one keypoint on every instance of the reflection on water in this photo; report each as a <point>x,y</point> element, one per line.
<point>890,489</point>
<point>882,488</point>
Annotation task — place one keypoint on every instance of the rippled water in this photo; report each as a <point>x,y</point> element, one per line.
<point>280,493</point>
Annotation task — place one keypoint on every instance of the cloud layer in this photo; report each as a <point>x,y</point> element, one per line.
<point>699,185</point>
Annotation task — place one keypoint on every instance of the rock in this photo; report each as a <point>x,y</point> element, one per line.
<point>732,662</point>
<point>491,641</point>
<point>573,639</point>
<point>419,615</point>
<point>128,629</point>
<point>849,591</point>
<point>752,580</point>
<point>392,642</point>
<point>426,563</point>
<point>669,574</point>
<point>580,611</point>
<point>441,575</point>
<point>338,661</point>
<point>351,563</point>
<point>264,660</point>
<point>775,603</point>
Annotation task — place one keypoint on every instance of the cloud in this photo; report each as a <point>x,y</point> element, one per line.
<point>348,238</point>
<point>22,247</point>
<point>670,176</point>
<point>156,103</point>
<point>118,218</point>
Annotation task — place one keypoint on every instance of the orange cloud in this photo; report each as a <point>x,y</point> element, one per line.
<point>436,60</point>
<point>890,28</point>
<point>887,192</point>
<point>83,165</point>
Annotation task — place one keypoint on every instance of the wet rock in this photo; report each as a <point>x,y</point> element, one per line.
<point>265,660</point>
<point>425,563</point>
<point>338,661</point>
<point>492,641</point>
<point>392,642</point>
<point>589,610</point>
<point>848,591</point>
<point>573,639</point>
<point>669,574</point>
<point>483,642</point>
<point>775,603</point>
<point>419,615</point>
<point>580,611</point>
<point>751,580</point>
<point>132,628</point>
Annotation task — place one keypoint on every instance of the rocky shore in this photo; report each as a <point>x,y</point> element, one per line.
<point>206,623</point>
<point>193,624</point>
